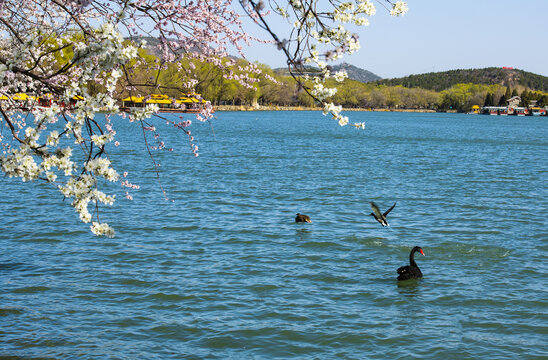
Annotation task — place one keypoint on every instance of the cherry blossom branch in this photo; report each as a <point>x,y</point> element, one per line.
<point>156,164</point>
<point>64,62</point>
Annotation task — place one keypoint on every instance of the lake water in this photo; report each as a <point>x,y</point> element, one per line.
<point>220,270</point>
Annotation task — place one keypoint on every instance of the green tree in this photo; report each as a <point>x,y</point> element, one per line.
<point>524,98</point>
<point>502,100</point>
<point>488,100</point>
<point>543,101</point>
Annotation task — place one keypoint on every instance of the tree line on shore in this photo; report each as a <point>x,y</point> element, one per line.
<point>271,87</point>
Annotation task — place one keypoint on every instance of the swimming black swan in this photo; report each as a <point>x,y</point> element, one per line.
<point>302,218</point>
<point>381,218</point>
<point>411,271</point>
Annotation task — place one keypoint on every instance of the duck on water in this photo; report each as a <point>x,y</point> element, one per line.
<point>411,271</point>
<point>302,218</point>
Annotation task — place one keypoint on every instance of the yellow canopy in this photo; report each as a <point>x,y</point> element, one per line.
<point>164,99</point>
<point>184,100</point>
<point>134,99</point>
<point>22,97</point>
<point>159,96</point>
<point>195,96</point>
<point>158,101</point>
<point>190,100</point>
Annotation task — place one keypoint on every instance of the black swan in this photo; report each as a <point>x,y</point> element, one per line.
<point>302,218</point>
<point>381,218</point>
<point>411,271</point>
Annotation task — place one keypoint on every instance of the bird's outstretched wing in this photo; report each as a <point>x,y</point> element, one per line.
<point>376,210</point>
<point>387,211</point>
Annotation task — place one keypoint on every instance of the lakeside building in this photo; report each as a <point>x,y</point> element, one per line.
<point>513,108</point>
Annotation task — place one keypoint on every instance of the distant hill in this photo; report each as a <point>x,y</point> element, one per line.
<point>436,81</point>
<point>354,72</point>
<point>488,76</point>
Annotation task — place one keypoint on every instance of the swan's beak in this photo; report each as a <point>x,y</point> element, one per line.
<point>422,253</point>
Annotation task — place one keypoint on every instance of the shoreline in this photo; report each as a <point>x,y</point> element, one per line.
<point>304,108</point>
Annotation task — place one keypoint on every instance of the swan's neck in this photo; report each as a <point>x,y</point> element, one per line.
<point>412,258</point>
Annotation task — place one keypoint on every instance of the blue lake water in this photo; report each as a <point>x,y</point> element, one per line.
<point>220,270</point>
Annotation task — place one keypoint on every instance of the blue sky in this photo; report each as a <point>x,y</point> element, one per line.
<point>439,35</point>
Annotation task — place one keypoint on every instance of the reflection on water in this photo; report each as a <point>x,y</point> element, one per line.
<point>409,288</point>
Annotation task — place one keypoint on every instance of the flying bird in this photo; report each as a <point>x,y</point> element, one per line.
<point>302,218</point>
<point>381,218</point>
<point>411,271</point>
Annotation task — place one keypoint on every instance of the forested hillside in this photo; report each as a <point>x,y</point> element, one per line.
<point>488,76</point>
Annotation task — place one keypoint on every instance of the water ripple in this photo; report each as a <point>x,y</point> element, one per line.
<point>222,271</point>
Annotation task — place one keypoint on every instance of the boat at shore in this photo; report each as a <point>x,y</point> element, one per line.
<point>188,103</point>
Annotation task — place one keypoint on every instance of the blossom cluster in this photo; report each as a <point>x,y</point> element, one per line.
<point>53,63</point>
<point>320,37</point>
<point>102,229</point>
<point>399,8</point>
<point>73,60</point>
